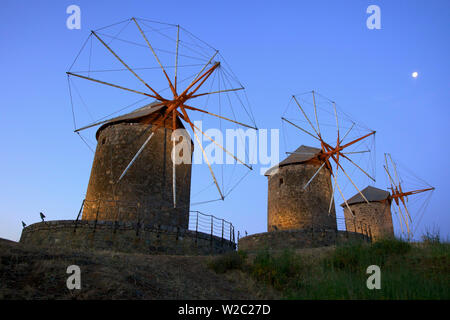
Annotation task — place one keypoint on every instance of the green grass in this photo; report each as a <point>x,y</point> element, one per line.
<point>227,261</point>
<point>408,271</point>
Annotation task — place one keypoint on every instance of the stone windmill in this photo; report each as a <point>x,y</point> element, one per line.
<point>145,192</point>
<point>290,205</point>
<point>405,185</point>
<point>375,215</point>
<point>137,173</point>
<point>321,166</point>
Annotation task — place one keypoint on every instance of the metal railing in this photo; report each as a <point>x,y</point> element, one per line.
<point>209,224</point>
<point>353,225</point>
<point>198,221</point>
<point>341,223</point>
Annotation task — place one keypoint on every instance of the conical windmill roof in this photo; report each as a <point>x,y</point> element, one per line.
<point>139,113</point>
<point>152,111</point>
<point>372,194</point>
<point>301,155</point>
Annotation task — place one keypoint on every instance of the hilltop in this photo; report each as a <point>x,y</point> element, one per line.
<point>35,273</point>
<point>408,271</point>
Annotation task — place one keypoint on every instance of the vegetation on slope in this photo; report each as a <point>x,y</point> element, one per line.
<point>408,271</point>
<point>37,273</point>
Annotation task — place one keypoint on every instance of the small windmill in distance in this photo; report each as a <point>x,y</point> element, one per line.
<point>400,193</point>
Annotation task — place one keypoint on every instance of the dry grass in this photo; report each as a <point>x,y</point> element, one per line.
<point>36,273</point>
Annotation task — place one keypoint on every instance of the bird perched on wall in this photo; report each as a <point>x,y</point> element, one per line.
<point>24,224</point>
<point>42,216</point>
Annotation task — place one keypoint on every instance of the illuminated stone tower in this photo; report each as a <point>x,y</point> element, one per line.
<point>145,192</point>
<point>292,207</point>
<point>376,214</point>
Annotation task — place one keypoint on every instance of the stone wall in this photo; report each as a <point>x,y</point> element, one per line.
<point>297,239</point>
<point>124,237</point>
<point>376,215</point>
<point>145,192</point>
<point>291,207</point>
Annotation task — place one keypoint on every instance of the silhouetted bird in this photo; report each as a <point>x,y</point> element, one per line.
<point>42,216</point>
<point>24,224</point>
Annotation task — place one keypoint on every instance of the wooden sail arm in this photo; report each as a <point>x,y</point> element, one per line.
<point>109,120</point>
<point>186,118</point>
<point>397,194</point>
<point>126,66</point>
<point>172,88</point>
<point>114,85</point>
<point>298,127</point>
<point>215,142</point>
<point>205,77</point>
<point>218,116</point>
<point>206,74</point>
<point>213,92</point>
<point>356,140</point>
<point>306,117</point>
<point>336,160</point>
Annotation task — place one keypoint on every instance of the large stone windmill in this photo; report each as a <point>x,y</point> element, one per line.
<point>145,192</point>
<point>137,174</point>
<point>140,191</point>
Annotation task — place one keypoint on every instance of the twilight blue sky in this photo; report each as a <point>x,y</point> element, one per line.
<point>276,48</point>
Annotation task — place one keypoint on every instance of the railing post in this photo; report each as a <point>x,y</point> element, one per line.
<point>196,223</point>
<point>196,229</point>
<point>212,226</point>
<point>78,216</point>
<point>222,227</point>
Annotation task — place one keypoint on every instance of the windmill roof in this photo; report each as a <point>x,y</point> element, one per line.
<point>139,113</point>
<point>371,193</point>
<point>301,155</point>
<point>136,114</point>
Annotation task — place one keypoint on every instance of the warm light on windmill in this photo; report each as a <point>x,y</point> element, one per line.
<point>194,74</point>
<point>339,141</point>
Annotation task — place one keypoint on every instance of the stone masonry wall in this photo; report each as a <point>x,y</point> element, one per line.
<point>124,237</point>
<point>145,192</point>
<point>290,207</point>
<point>297,239</point>
<point>377,215</point>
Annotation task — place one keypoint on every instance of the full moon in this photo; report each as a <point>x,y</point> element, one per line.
<point>414,74</point>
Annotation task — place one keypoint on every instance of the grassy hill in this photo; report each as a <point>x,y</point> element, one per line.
<point>408,271</point>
